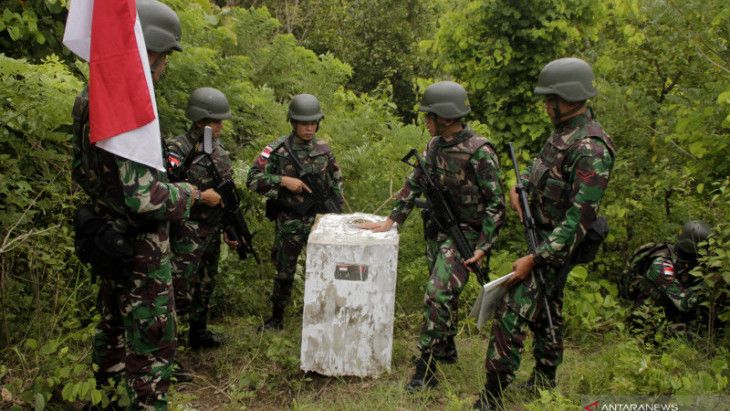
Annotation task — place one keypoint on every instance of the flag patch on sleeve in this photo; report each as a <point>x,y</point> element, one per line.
<point>668,269</point>
<point>173,161</point>
<point>267,152</point>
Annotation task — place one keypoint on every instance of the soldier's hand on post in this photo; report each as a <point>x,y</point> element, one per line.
<point>478,255</point>
<point>377,226</point>
<point>210,197</point>
<point>514,201</point>
<point>522,268</point>
<point>294,184</point>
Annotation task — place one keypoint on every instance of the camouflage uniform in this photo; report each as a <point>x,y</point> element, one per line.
<point>136,334</point>
<point>656,276</point>
<point>466,167</point>
<point>292,229</point>
<point>195,242</point>
<point>565,185</point>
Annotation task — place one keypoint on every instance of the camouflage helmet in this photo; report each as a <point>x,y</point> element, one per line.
<point>304,107</point>
<point>569,78</point>
<point>207,102</point>
<point>160,26</point>
<point>693,233</point>
<point>445,99</point>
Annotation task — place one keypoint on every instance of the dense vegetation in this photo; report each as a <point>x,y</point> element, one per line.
<point>663,69</point>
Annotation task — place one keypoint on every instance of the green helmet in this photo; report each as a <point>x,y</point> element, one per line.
<point>569,78</point>
<point>208,102</point>
<point>304,107</point>
<point>160,26</point>
<point>693,233</point>
<point>445,99</point>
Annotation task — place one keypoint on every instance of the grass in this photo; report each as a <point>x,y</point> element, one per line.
<point>260,371</point>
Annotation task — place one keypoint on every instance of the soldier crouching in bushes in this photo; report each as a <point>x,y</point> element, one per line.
<point>658,276</point>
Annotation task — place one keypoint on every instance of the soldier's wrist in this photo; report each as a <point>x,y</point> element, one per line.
<point>197,197</point>
<point>538,260</point>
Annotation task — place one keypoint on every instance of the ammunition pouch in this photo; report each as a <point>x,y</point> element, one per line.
<point>273,209</point>
<point>103,243</point>
<point>308,208</point>
<point>430,227</point>
<point>588,248</point>
<point>214,216</point>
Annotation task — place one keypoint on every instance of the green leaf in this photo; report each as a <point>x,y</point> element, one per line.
<point>579,273</point>
<point>95,396</point>
<point>40,402</point>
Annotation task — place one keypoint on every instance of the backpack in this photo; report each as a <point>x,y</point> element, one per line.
<point>638,264</point>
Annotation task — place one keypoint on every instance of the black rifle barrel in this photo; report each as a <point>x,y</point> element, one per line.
<point>319,200</point>
<point>444,215</point>
<point>234,224</point>
<point>531,236</point>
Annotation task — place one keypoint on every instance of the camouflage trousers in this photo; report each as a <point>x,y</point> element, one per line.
<point>196,250</point>
<point>136,335</point>
<point>291,237</point>
<point>447,278</point>
<point>523,309</point>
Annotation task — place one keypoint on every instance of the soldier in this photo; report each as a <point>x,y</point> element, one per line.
<point>136,334</point>
<point>658,275</point>
<point>466,166</point>
<point>565,184</point>
<point>195,242</point>
<point>290,201</point>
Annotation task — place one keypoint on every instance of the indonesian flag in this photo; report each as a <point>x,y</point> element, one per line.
<point>122,109</point>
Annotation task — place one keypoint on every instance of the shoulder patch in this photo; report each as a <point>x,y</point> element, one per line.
<point>267,152</point>
<point>173,160</point>
<point>668,269</point>
<point>322,147</point>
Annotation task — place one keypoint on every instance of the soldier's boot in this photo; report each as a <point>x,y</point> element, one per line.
<point>542,378</point>
<point>490,398</point>
<point>279,299</point>
<point>181,373</point>
<point>447,353</point>
<point>276,322</point>
<point>201,337</point>
<point>424,375</point>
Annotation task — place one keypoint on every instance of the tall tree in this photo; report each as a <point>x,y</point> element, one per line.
<point>496,48</point>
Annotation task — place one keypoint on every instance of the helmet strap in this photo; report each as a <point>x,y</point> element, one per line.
<point>559,115</point>
<point>160,58</point>
<point>440,126</point>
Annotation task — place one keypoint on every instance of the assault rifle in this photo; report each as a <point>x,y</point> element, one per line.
<point>444,216</point>
<point>531,235</point>
<point>233,222</point>
<point>318,198</point>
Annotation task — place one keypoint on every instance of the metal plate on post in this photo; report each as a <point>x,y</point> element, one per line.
<point>351,272</point>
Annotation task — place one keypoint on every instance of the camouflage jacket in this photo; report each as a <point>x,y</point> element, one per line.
<point>120,187</point>
<point>655,271</point>
<point>187,162</point>
<point>273,162</point>
<point>467,168</point>
<point>566,184</point>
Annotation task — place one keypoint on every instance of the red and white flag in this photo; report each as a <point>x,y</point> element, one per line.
<point>122,109</point>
